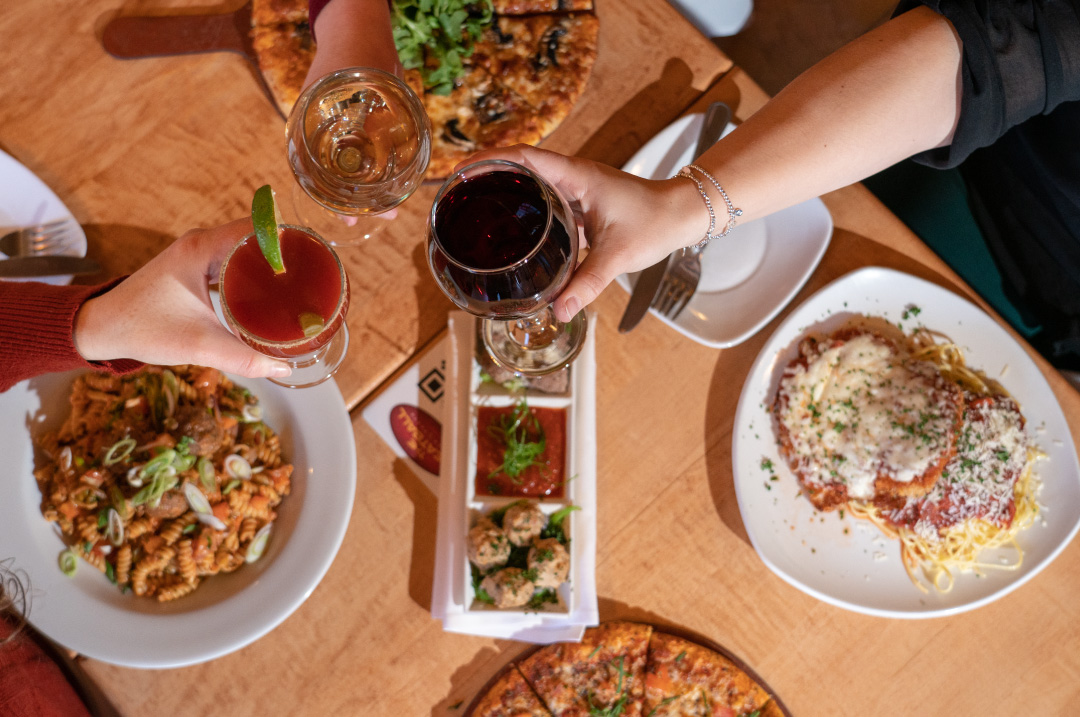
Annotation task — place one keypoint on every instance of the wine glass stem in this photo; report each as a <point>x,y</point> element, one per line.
<point>536,331</point>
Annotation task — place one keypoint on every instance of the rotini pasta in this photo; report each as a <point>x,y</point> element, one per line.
<point>163,477</point>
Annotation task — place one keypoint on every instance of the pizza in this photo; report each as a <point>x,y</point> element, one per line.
<point>630,670</point>
<point>524,75</point>
<point>604,670</point>
<point>510,695</point>
<point>684,678</point>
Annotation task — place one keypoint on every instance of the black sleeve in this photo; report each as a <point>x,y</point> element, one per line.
<point>1021,58</point>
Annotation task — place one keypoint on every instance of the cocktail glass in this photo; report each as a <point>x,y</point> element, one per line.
<point>359,142</point>
<point>297,316</point>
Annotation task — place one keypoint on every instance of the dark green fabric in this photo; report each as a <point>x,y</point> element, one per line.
<point>933,203</point>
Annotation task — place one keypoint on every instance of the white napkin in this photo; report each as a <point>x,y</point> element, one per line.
<point>451,563</point>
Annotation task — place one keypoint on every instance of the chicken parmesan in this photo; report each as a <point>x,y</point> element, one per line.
<point>858,418</point>
<point>898,430</point>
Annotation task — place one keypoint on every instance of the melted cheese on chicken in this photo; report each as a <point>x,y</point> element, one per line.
<point>857,410</point>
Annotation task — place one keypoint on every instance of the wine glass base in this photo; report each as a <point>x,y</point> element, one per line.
<point>330,225</point>
<point>316,368</point>
<point>508,352</point>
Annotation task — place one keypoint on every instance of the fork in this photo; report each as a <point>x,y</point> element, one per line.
<point>679,283</point>
<point>46,238</point>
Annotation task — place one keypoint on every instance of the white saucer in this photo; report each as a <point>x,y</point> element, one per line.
<point>26,200</point>
<point>750,275</point>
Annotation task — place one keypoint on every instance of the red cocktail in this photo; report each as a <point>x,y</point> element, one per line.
<point>298,315</point>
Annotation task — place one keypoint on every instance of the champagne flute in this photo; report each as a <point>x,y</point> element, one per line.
<point>502,244</point>
<point>359,142</point>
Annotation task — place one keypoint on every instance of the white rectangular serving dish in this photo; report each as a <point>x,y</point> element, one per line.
<point>460,506</point>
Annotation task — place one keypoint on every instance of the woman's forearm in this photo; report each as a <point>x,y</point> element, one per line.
<point>354,33</point>
<point>886,96</point>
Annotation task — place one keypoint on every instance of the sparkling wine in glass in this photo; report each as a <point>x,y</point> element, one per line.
<point>502,244</point>
<point>359,142</point>
<point>297,316</point>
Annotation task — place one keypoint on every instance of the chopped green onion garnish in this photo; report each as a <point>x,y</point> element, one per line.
<point>196,500</point>
<point>258,544</point>
<point>237,466</point>
<point>115,531</point>
<point>69,562</point>
<point>206,473</point>
<point>119,451</point>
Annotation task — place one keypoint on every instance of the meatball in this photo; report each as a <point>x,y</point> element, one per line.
<point>508,587</point>
<point>550,562</point>
<point>523,522</point>
<point>487,545</point>
<point>172,504</point>
<point>203,429</point>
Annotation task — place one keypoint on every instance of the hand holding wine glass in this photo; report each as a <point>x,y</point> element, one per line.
<point>630,223</point>
<point>359,142</point>
<point>502,244</point>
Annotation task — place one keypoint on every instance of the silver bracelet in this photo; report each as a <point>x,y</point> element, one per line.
<point>733,211</point>
<point>709,236</point>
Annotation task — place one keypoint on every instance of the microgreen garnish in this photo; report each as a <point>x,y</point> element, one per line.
<point>616,709</point>
<point>523,436</point>
<point>554,528</point>
<point>435,36</point>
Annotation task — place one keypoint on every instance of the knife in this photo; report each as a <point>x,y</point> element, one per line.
<point>28,267</point>
<point>712,126</point>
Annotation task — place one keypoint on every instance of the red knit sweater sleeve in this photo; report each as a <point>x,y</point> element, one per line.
<point>36,325</point>
<point>314,8</point>
<point>31,684</point>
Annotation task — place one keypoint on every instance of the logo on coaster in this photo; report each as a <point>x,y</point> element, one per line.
<point>418,434</point>
<point>432,385</point>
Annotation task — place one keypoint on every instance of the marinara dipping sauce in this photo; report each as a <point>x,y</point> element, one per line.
<point>546,480</point>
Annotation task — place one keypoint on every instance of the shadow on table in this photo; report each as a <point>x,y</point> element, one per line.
<point>425,515</point>
<point>642,116</point>
<point>120,249</point>
<point>433,304</point>
<point>847,252</point>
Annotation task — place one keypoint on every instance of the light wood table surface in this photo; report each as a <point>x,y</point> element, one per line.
<point>672,546</point>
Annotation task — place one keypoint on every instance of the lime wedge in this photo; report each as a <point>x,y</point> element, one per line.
<point>266,219</point>
<point>311,323</point>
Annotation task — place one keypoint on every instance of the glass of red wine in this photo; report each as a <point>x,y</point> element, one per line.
<point>502,244</point>
<point>297,316</point>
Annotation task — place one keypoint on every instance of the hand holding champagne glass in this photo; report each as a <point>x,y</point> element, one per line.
<point>359,142</point>
<point>502,244</point>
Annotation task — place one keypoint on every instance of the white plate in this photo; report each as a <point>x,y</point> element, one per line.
<point>847,562</point>
<point>89,615</point>
<point>748,276</point>
<point>25,200</point>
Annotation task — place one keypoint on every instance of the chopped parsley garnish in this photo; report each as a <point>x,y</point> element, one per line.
<point>436,36</point>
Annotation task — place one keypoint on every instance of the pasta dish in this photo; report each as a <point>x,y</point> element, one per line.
<point>898,430</point>
<point>162,478</point>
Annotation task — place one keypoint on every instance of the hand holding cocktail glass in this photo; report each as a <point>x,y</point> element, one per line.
<point>285,293</point>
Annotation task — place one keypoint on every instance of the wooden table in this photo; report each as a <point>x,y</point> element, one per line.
<point>146,149</point>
